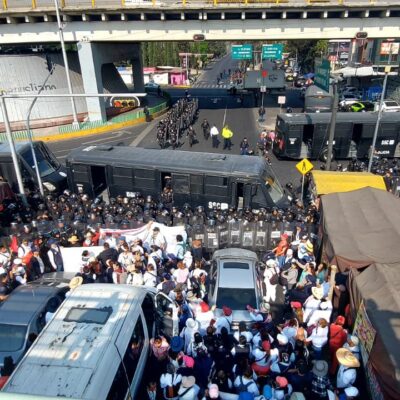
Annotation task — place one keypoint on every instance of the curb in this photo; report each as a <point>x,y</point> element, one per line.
<point>97,131</point>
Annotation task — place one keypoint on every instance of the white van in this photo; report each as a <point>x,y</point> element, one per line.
<point>97,344</point>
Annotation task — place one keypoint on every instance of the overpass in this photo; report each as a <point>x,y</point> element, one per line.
<point>33,21</point>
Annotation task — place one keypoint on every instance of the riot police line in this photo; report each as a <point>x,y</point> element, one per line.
<point>178,123</point>
<point>72,215</point>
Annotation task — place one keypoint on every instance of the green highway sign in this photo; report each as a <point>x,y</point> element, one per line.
<point>272,51</point>
<point>242,52</point>
<point>322,74</point>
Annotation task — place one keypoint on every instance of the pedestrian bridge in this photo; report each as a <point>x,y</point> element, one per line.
<point>33,21</point>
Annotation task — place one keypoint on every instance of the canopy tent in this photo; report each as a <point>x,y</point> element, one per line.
<point>349,72</point>
<point>333,181</point>
<point>378,287</point>
<point>360,227</point>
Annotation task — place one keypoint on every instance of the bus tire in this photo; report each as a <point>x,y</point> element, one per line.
<point>324,154</point>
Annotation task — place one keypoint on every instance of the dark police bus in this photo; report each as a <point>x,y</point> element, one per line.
<point>197,178</point>
<point>53,174</point>
<point>306,135</point>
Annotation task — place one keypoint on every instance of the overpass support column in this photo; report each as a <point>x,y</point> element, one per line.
<point>137,68</point>
<point>90,59</point>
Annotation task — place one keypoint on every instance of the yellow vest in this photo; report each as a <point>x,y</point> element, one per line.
<point>227,133</point>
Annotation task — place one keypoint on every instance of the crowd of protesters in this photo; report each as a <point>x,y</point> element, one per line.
<point>302,352</point>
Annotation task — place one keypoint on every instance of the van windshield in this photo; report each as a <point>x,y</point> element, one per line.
<point>273,186</point>
<point>12,337</point>
<point>46,163</point>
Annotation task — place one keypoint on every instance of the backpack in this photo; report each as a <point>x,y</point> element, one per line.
<point>243,386</point>
<point>274,280</point>
<point>172,391</point>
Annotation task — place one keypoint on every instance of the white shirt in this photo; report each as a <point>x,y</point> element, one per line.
<point>346,377</point>
<point>246,334</point>
<point>190,394</point>
<point>149,279</point>
<point>319,336</point>
<point>310,306</point>
<point>214,131</point>
<point>204,318</point>
<point>135,279</point>
<point>126,259</point>
<point>222,322</point>
<point>170,380</point>
<point>23,251</point>
<point>261,358</point>
<point>252,388</point>
<point>279,394</point>
<point>318,314</point>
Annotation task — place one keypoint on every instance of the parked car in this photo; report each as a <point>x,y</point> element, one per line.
<point>24,314</point>
<point>350,90</point>
<point>390,106</point>
<point>235,283</point>
<point>300,82</point>
<point>347,99</point>
<point>360,106</point>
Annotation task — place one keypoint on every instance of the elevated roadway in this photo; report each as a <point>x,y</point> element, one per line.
<point>33,21</point>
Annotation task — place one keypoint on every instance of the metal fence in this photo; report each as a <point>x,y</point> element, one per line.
<point>104,4</point>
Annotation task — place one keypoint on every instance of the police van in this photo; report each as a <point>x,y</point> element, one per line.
<point>53,174</point>
<point>97,344</point>
<point>206,179</point>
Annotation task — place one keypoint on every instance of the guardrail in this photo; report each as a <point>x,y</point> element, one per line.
<point>14,5</point>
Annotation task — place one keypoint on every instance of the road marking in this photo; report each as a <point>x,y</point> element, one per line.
<point>101,140</point>
<point>142,135</point>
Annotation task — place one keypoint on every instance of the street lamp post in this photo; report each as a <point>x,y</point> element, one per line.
<point>332,125</point>
<point>66,65</point>
<point>12,149</point>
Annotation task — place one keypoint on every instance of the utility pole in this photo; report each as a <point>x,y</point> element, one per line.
<point>12,149</point>
<point>332,125</point>
<point>378,120</point>
<point>66,65</point>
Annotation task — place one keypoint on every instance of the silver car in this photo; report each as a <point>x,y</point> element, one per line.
<point>235,282</point>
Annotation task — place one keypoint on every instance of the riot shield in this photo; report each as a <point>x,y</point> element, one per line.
<point>261,239</point>
<point>275,235</point>
<point>248,232</point>
<point>211,237</point>
<point>223,233</point>
<point>234,233</point>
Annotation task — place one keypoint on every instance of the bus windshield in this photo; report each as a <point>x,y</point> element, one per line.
<point>273,186</point>
<point>46,163</point>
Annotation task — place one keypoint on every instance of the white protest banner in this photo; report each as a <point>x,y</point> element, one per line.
<point>145,232</point>
<point>72,257</point>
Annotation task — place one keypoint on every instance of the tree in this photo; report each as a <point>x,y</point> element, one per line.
<point>306,51</point>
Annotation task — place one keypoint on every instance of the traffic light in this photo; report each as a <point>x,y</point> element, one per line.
<point>199,37</point>
<point>123,103</point>
<point>361,35</point>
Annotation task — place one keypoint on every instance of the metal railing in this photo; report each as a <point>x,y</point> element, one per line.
<point>10,5</point>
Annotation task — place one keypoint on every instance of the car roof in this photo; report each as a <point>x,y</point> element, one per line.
<point>24,302</point>
<point>231,277</point>
<point>169,160</point>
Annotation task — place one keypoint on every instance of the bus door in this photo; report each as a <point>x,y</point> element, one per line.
<point>387,139</point>
<point>181,188</point>
<point>365,140</point>
<point>87,179</point>
<point>343,134</point>
<point>293,141</point>
<point>319,141</point>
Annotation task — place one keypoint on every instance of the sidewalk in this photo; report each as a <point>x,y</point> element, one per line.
<point>156,105</point>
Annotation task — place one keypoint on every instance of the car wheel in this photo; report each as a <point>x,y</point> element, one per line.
<point>324,154</point>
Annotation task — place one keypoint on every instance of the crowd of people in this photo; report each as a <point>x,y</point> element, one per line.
<point>302,352</point>
<point>178,123</point>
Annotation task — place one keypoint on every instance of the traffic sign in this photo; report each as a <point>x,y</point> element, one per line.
<point>242,52</point>
<point>272,51</point>
<point>304,166</point>
<point>322,74</point>
<point>263,89</point>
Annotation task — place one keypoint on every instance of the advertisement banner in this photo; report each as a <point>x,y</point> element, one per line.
<point>72,257</point>
<point>389,48</point>
<point>366,333</point>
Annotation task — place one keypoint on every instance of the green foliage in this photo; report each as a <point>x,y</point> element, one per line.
<point>306,51</point>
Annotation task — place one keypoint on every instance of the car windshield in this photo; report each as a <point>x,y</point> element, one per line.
<point>237,299</point>
<point>45,163</point>
<point>12,337</point>
<point>273,186</point>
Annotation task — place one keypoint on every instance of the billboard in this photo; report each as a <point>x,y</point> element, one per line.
<point>389,48</point>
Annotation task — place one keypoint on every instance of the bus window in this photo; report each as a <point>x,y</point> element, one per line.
<point>46,164</point>
<point>180,183</point>
<point>273,187</point>
<point>217,185</point>
<point>196,184</point>
<point>122,176</point>
<point>357,132</point>
<point>145,178</point>
<point>308,133</point>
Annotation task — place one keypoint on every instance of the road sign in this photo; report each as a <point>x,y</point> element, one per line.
<point>263,89</point>
<point>272,51</point>
<point>281,99</point>
<point>304,166</point>
<point>242,52</point>
<point>322,74</point>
